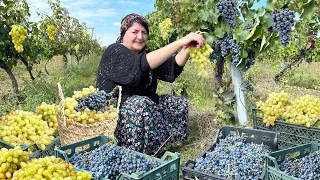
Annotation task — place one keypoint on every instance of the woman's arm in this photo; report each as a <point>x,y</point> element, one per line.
<point>182,57</point>
<point>158,57</point>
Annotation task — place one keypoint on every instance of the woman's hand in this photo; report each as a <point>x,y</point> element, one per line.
<point>193,40</point>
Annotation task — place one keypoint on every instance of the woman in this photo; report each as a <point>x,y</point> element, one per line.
<point>146,121</point>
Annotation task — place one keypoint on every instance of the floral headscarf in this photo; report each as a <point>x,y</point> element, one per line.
<point>127,21</point>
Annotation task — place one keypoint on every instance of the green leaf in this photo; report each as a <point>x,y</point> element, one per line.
<point>203,15</point>
<point>263,42</point>
<point>253,30</point>
<point>309,10</point>
<point>209,38</point>
<point>241,36</point>
<point>243,53</point>
<point>269,7</point>
<point>260,10</point>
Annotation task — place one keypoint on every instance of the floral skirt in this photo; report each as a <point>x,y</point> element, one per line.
<point>147,127</point>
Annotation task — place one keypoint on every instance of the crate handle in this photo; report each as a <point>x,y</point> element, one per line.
<point>274,161</point>
<point>170,155</point>
<point>315,123</point>
<point>60,152</point>
<point>188,162</point>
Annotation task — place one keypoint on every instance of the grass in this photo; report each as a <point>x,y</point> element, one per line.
<point>203,121</point>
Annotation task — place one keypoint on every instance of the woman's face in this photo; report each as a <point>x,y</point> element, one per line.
<point>135,38</point>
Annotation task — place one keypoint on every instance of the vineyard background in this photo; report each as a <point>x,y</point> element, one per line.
<point>203,118</point>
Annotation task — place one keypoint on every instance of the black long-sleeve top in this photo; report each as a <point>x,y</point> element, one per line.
<point>120,66</point>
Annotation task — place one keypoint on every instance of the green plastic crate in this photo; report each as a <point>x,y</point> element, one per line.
<point>168,170</point>
<point>274,159</point>
<point>23,147</point>
<point>49,151</point>
<point>290,134</point>
<point>252,136</point>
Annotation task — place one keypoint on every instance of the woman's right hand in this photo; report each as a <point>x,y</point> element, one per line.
<point>193,40</point>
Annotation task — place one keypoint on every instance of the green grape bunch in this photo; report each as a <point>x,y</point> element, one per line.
<point>200,57</point>
<point>51,30</point>
<point>18,34</point>
<point>165,27</point>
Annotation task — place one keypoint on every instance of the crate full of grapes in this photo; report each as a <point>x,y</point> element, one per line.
<point>290,134</point>
<point>296,120</point>
<point>299,162</point>
<point>237,153</point>
<point>105,160</point>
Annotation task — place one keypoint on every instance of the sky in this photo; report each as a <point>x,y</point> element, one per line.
<point>104,15</point>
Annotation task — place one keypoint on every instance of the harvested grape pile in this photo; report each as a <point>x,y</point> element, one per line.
<point>109,160</point>
<point>307,167</point>
<point>234,158</point>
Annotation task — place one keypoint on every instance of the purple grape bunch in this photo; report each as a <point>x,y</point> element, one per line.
<point>234,158</point>
<point>282,22</point>
<point>108,161</point>
<point>304,168</point>
<point>228,9</point>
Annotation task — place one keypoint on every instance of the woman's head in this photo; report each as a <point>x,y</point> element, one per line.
<point>134,32</point>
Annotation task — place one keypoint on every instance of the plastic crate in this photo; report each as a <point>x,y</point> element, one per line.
<point>252,136</point>
<point>274,159</point>
<point>168,170</point>
<point>290,134</point>
<point>49,151</point>
<point>24,147</point>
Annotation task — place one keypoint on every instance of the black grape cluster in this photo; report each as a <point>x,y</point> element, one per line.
<point>216,54</point>
<point>108,161</point>
<point>234,158</point>
<point>247,87</point>
<point>94,101</point>
<point>249,61</point>
<point>307,167</point>
<point>228,45</point>
<point>282,21</point>
<point>228,9</point>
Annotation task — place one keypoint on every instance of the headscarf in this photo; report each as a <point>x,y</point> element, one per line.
<point>127,21</point>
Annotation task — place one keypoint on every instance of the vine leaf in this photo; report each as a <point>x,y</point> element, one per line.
<point>253,29</point>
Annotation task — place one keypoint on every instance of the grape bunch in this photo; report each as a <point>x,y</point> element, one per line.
<point>247,86</point>
<point>51,31</point>
<point>22,127</point>
<point>49,168</point>
<point>84,92</point>
<point>110,160</point>
<point>304,110</point>
<point>228,45</point>
<point>18,34</point>
<point>10,161</point>
<point>274,107</point>
<point>228,9</point>
<point>282,22</point>
<point>234,158</point>
<point>200,57</point>
<point>82,114</point>
<point>165,27</point>
<point>76,48</point>
<point>249,61</point>
<point>48,114</point>
<point>304,168</point>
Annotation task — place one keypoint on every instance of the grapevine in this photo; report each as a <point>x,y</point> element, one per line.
<point>165,27</point>
<point>18,34</point>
